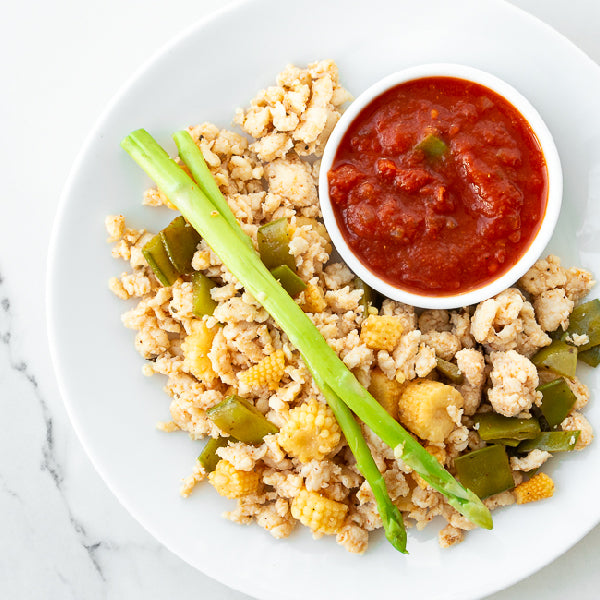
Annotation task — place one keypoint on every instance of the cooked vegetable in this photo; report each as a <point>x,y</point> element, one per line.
<point>180,240</point>
<point>233,483</point>
<point>506,442</point>
<point>319,513</point>
<point>274,244</point>
<point>559,357</point>
<point>381,332</point>
<point>486,471</point>
<point>433,146</point>
<point>289,281</point>
<point>591,356</point>
<point>386,391</point>
<point>329,373</point>
<point>314,300</point>
<point>540,486</point>
<point>551,441</point>
<point>209,457</point>
<point>585,320</point>
<point>423,409</point>
<point>557,401</point>
<point>202,302</point>
<point>311,431</point>
<point>268,371</point>
<point>193,159</point>
<point>156,256</point>
<point>239,418</point>
<point>493,426</point>
<point>449,370</point>
<point>196,347</point>
<point>367,297</point>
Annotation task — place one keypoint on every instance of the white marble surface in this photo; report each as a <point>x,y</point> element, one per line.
<point>62,533</point>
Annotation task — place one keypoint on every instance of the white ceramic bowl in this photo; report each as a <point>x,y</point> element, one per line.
<point>555,185</point>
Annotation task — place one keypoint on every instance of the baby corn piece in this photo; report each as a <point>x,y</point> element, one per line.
<point>232,483</point>
<point>381,332</point>
<point>319,513</point>
<point>314,300</point>
<point>196,347</point>
<point>268,371</point>
<point>386,391</point>
<point>423,409</point>
<point>540,486</point>
<point>311,431</point>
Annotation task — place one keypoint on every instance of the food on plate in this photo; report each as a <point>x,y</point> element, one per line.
<point>439,185</point>
<point>262,374</point>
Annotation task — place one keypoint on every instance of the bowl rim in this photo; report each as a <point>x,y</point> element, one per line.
<point>547,145</point>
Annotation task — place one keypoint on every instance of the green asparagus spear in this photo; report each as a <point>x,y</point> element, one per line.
<point>324,364</point>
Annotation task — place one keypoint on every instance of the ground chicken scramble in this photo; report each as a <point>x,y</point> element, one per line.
<point>438,372</point>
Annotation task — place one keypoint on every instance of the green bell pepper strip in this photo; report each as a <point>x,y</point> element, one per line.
<point>209,457</point>
<point>559,357</point>
<point>449,370</point>
<point>242,420</point>
<point>322,361</point>
<point>156,256</point>
<point>486,471</point>
<point>493,426</point>
<point>506,442</point>
<point>557,401</point>
<point>551,441</point>
<point>585,320</point>
<point>180,241</point>
<point>202,302</point>
<point>290,282</point>
<point>590,357</point>
<point>274,244</point>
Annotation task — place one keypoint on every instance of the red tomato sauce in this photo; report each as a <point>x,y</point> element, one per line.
<point>439,186</point>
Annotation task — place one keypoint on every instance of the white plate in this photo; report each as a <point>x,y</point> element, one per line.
<point>205,74</point>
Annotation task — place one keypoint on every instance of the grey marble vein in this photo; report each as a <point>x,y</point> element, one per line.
<point>49,462</point>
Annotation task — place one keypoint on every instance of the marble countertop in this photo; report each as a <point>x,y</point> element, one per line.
<point>62,533</point>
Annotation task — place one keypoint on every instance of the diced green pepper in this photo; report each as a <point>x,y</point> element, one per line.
<point>493,426</point>
<point>557,401</point>
<point>551,441</point>
<point>156,256</point>
<point>290,282</point>
<point>209,458</point>
<point>273,244</point>
<point>433,146</point>
<point>449,370</point>
<point>239,418</point>
<point>180,240</point>
<point>506,442</point>
<point>585,320</point>
<point>559,357</point>
<point>485,472</point>
<point>591,356</point>
<point>202,302</point>
<point>367,297</point>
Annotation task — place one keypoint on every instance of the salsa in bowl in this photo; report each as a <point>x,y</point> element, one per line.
<point>440,186</point>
